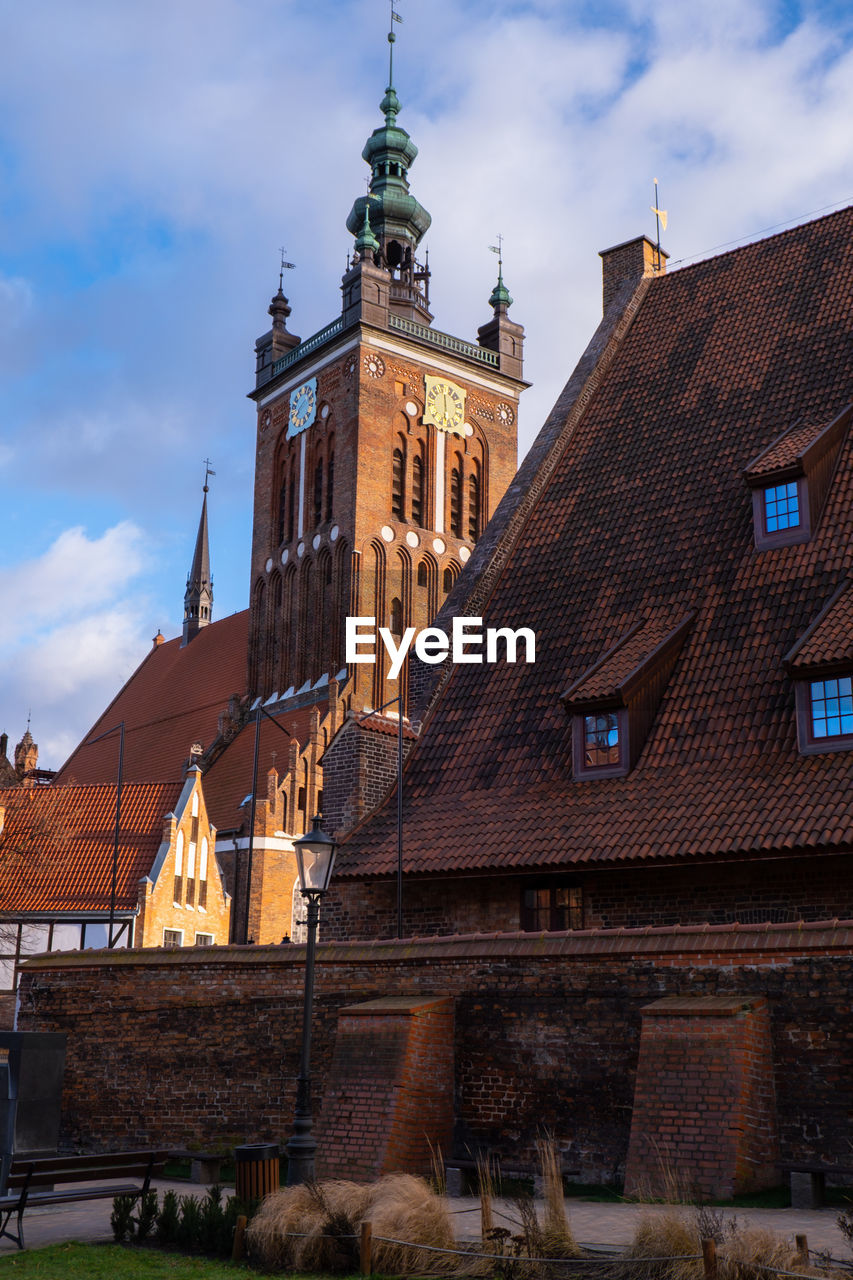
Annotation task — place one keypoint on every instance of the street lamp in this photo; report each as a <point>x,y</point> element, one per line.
<point>315,859</point>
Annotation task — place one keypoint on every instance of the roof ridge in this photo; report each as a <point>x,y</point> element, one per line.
<point>674,270</point>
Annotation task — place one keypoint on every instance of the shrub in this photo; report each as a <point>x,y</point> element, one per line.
<point>147,1217</point>
<point>168,1219</point>
<point>121,1218</point>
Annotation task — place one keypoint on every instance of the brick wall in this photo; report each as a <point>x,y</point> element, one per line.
<point>202,1046</point>
<point>704,1111</point>
<point>747,892</point>
<point>389,1094</point>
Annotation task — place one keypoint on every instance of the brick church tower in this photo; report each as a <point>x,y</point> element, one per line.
<point>383,448</point>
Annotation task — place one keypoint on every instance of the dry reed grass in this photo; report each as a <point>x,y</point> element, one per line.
<point>316,1228</point>
<point>558,1239</point>
<point>486,1191</point>
<point>673,1237</point>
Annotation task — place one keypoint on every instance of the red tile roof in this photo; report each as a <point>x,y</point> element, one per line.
<point>56,848</point>
<point>173,699</point>
<point>644,507</point>
<point>829,640</point>
<point>787,449</point>
<point>614,674</point>
<point>229,779</point>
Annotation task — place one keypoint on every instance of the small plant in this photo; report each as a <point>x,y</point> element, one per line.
<point>845,1225</point>
<point>168,1219</point>
<point>146,1219</point>
<point>189,1227</point>
<point>486,1190</point>
<point>557,1238</point>
<point>121,1218</point>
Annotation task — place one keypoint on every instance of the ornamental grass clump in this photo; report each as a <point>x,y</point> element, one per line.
<point>669,1244</point>
<point>316,1227</point>
<point>558,1240</point>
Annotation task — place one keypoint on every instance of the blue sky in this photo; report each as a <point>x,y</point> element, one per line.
<point>153,158</point>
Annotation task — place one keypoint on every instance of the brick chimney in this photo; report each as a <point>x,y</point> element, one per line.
<point>631,260</point>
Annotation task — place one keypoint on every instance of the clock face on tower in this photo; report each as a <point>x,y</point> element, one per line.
<point>444,404</point>
<point>303,407</point>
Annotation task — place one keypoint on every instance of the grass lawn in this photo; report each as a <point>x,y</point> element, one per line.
<point>118,1262</point>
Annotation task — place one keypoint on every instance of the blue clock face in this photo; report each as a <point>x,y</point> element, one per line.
<point>303,407</point>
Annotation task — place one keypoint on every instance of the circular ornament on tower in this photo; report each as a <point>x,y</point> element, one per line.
<point>374,365</point>
<point>464,554</point>
<point>334,532</point>
<point>468,429</point>
<point>387,533</point>
<point>300,550</point>
<point>316,541</point>
<point>411,408</point>
<point>412,538</point>
<point>349,367</point>
<point>324,412</point>
<point>268,565</point>
<point>439,546</point>
<point>285,556</point>
<point>266,420</point>
<point>505,414</point>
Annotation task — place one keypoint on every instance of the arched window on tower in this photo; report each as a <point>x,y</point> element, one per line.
<point>318,493</point>
<point>291,506</point>
<point>456,499</point>
<point>418,478</point>
<point>423,574</point>
<point>474,529</point>
<point>282,510</point>
<point>330,484</point>
<point>396,617</point>
<point>398,483</point>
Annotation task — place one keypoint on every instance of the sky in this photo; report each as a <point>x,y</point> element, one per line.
<point>155,157</point>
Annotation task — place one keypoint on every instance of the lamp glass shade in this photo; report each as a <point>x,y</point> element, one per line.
<point>315,859</point>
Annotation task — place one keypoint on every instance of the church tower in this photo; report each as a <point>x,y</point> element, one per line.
<point>198,597</point>
<point>383,448</point>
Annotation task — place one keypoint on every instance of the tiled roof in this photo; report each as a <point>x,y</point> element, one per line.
<point>646,509</point>
<point>786,451</point>
<point>620,667</point>
<point>229,779</point>
<point>378,724</point>
<point>173,699</point>
<point>829,641</point>
<point>56,849</point>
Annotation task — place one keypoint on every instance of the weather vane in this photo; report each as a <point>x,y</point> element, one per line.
<point>498,249</point>
<point>395,17</point>
<point>660,221</point>
<point>208,471</point>
<point>285,266</point>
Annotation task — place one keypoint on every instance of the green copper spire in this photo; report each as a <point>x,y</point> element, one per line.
<point>500,298</point>
<point>366,243</point>
<point>396,215</point>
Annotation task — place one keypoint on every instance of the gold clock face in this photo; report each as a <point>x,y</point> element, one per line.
<point>444,404</point>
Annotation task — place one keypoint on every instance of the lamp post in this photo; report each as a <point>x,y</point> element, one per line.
<point>315,860</point>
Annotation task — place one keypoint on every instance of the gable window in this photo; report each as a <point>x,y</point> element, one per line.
<point>781,507</point>
<point>551,908</point>
<point>832,708</point>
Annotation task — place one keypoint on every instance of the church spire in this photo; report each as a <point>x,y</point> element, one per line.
<point>397,220</point>
<point>198,597</point>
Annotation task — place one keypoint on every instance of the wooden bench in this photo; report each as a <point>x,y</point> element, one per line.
<point>33,1182</point>
<point>808,1182</point>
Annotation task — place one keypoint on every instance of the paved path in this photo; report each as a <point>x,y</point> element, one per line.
<point>592,1222</point>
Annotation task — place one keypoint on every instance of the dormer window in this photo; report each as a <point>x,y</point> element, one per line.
<point>821,665</point>
<point>790,480</point>
<point>601,739</point>
<point>781,507</point>
<point>832,708</point>
<point>613,704</point>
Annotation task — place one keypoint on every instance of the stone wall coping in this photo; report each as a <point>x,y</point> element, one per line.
<point>754,942</point>
<point>704,1006</point>
<point>394,1005</point>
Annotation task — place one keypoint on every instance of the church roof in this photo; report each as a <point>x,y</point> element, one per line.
<point>56,845</point>
<point>640,507</point>
<point>172,700</point>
